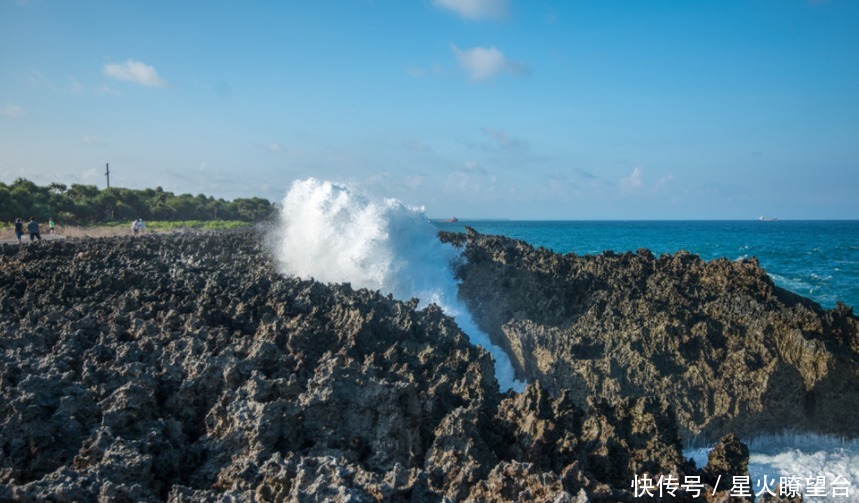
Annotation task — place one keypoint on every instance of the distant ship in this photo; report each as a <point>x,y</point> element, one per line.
<point>767,219</point>
<point>450,220</point>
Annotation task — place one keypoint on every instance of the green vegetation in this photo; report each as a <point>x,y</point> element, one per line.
<point>87,205</point>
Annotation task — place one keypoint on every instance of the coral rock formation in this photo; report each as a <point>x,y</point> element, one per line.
<point>185,368</point>
<point>725,347</point>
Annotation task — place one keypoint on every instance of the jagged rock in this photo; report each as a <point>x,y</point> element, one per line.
<point>184,368</point>
<point>728,459</point>
<point>520,482</point>
<point>730,456</point>
<point>729,350</point>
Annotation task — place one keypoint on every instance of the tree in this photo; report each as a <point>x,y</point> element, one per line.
<point>10,208</point>
<point>56,188</point>
<point>79,192</point>
<point>86,204</point>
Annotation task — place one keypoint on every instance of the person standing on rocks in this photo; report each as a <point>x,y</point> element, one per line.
<point>51,225</point>
<point>141,225</point>
<point>33,229</point>
<point>19,229</point>
<point>135,226</point>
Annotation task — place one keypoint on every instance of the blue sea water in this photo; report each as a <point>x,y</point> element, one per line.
<point>816,259</point>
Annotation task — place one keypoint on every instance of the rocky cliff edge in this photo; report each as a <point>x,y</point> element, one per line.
<point>728,350</point>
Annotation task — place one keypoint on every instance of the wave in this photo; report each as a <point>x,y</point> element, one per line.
<point>802,457</point>
<point>330,233</point>
<point>812,285</point>
<point>793,284</point>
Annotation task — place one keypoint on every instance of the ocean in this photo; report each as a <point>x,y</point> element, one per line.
<point>816,259</point>
<point>333,234</point>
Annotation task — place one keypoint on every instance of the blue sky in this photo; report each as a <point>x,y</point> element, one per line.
<point>475,108</point>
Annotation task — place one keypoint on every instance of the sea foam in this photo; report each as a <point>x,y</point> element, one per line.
<point>331,233</point>
<point>804,458</point>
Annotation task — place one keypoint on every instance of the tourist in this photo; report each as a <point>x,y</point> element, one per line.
<point>141,225</point>
<point>33,229</point>
<point>51,225</point>
<point>19,229</point>
<point>135,226</point>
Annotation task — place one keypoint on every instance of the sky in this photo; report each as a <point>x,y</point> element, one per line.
<point>539,109</point>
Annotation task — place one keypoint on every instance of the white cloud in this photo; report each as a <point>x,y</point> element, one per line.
<point>135,71</point>
<point>13,110</point>
<point>636,184</point>
<point>482,63</point>
<point>476,9</point>
<point>633,182</point>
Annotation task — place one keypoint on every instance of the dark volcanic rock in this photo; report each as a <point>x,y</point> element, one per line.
<point>730,351</point>
<point>185,368</point>
<point>729,457</point>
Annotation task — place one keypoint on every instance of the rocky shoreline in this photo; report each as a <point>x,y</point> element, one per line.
<point>185,368</point>
<point>726,348</point>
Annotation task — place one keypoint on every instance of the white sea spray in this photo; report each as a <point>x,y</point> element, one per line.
<point>801,456</point>
<point>331,233</point>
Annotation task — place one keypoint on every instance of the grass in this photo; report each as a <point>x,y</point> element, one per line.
<point>124,228</point>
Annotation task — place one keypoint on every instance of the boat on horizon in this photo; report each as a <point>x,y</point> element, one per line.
<point>767,219</point>
<point>449,220</point>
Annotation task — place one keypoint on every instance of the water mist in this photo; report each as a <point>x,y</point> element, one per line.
<point>332,234</point>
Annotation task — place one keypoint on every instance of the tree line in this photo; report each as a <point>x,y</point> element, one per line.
<point>87,204</point>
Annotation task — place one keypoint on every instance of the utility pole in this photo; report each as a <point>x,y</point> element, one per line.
<point>107,173</point>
